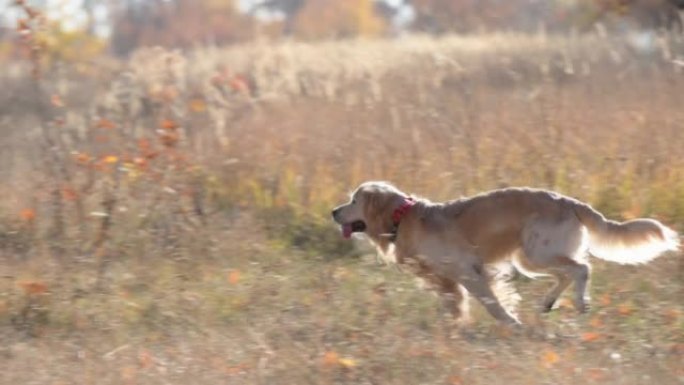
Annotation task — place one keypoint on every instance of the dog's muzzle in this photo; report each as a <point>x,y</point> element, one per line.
<point>355,227</point>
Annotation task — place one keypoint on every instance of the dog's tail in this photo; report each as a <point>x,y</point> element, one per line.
<point>631,242</point>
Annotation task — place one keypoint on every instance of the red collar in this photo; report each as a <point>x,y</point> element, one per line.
<point>400,211</point>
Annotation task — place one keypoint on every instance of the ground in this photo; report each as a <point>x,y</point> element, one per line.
<point>167,219</point>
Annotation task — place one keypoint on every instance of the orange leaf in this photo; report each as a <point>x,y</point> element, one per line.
<point>565,303</point>
<point>143,144</point>
<point>82,158</point>
<point>168,138</point>
<point>239,84</point>
<point>596,322</point>
<point>625,309</point>
<point>69,194</point>
<point>347,362</point>
<point>169,94</point>
<point>110,159</point>
<point>605,300</point>
<point>33,287</point>
<point>596,374</point>
<point>168,124</point>
<point>330,358</point>
<point>237,369</point>
<point>234,277</point>
<point>23,25</point>
<point>590,336</point>
<point>106,124</point>
<point>140,162</point>
<point>56,101</point>
<point>151,154</point>
<point>455,380</point>
<point>671,315</point>
<point>197,105</point>
<point>549,358</point>
<point>678,349</point>
<point>145,358</point>
<point>28,214</point>
<point>145,148</point>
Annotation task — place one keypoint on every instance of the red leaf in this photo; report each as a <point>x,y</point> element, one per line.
<point>28,214</point>
<point>106,124</point>
<point>234,277</point>
<point>168,124</point>
<point>590,336</point>
<point>56,101</point>
<point>69,194</point>
<point>33,287</point>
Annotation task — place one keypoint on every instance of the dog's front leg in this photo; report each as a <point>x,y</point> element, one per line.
<point>455,300</point>
<point>473,279</point>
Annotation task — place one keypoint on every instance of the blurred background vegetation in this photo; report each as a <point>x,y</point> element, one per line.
<point>167,169</point>
<point>119,27</point>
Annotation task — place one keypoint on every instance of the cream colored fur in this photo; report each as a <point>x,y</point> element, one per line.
<point>452,244</point>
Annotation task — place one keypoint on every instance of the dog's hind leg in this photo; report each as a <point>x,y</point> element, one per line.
<point>562,283</point>
<point>557,248</point>
<point>580,274</point>
<point>567,271</point>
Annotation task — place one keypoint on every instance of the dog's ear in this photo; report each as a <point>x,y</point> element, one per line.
<point>378,206</point>
<point>371,200</point>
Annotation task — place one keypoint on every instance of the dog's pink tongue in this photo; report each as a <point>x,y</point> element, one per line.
<point>347,230</point>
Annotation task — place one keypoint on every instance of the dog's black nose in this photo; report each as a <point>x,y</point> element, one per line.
<point>334,212</point>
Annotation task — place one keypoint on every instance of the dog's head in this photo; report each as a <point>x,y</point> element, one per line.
<point>369,210</point>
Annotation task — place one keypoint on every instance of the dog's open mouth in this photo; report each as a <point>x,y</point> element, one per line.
<point>353,227</point>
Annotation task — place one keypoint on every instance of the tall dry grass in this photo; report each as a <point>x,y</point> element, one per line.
<point>175,227</point>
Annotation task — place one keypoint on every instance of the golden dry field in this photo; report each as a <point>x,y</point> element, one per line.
<point>165,218</point>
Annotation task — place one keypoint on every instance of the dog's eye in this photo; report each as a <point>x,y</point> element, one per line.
<point>353,201</point>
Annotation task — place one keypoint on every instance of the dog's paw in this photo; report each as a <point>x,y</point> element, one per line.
<point>547,306</point>
<point>583,306</point>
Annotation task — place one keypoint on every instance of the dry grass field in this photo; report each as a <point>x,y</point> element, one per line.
<point>165,219</point>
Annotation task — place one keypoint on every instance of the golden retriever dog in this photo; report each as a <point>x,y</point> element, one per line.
<point>540,232</point>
